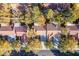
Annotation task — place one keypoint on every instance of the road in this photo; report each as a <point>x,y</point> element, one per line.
<point>55,53</point>
<point>45,53</point>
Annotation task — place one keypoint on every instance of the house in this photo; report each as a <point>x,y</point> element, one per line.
<point>47,31</point>
<point>19,30</point>
<point>11,32</point>
<point>21,33</point>
<point>6,30</point>
<point>40,32</point>
<point>73,30</point>
<point>7,33</point>
<point>51,30</point>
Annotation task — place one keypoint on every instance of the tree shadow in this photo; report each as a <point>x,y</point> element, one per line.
<point>22,53</point>
<point>58,53</point>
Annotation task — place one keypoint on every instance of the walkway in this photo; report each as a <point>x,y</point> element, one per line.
<point>43,46</point>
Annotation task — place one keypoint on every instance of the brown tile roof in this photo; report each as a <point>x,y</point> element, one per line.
<point>20,29</point>
<point>75,27</point>
<point>49,27</point>
<point>52,27</point>
<point>38,28</point>
<point>5,28</point>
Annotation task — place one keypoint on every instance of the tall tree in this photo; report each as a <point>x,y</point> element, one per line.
<point>26,15</point>
<point>37,15</point>
<point>66,16</point>
<point>68,44</point>
<point>34,45</point>
<point>49,15</point>
<point>75,7</point>
<point>16,45</point>
<point>6,13</point>
<point>31,33</point>
<point>5,46</point>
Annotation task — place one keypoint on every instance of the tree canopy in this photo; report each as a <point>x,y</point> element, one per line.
<point>5,46</point>
<point>49,14</point>
<point>68,44</point>
<point>34,45</point>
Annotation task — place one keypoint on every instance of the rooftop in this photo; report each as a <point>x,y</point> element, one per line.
<point>52,27</point>
<point>20,29</point>
<point>9,28</point>
<point>5,28</point>
<point>49,27</point>
<point>74,27</point>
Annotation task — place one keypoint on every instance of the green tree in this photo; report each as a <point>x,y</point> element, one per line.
<point>31,33</point>
<point>40,20</point>
<point>36,11</point>
<point>68,43</point>
<point>26,16</point>
<point>16,45</point>
<point>5,13</point>
<point>49,44</point>
<point>34,45</point>
<point>69,15</point>
<point>37,15</point>
<point>49,15</point>
<point>5,47</point>
<point>75,7</point>
<point>66,16</point>
<point>59,19</point>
